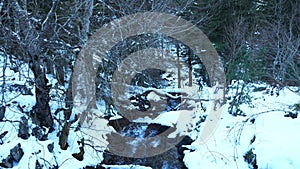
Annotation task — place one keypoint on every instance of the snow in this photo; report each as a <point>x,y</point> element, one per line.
<point>276,144</point>
<point>125,167</point>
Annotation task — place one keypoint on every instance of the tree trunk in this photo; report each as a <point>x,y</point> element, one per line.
<point>42,108</point>
<point>87,13</point>
<point>190,68</point>
<point>178,66</point>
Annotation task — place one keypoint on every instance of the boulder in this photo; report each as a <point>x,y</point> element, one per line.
<point>119,124</point>
<point>2,112</point>
<point>17,153</point>
<point>7,163</point>
<point>23,128</point>
<point>155,129</point>
<point>50,147</point>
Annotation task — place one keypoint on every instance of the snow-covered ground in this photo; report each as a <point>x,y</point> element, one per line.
<point>264,131</point>
<point>265,136</point>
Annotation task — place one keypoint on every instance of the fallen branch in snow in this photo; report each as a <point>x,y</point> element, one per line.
<point>294,91</point>
<point>162,92</point>
<point>263,112</point>
<point>11,121</point>
<point>251,117</point>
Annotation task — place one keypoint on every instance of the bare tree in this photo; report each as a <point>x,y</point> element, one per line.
<point>46,35</point>
<point>282,42</point>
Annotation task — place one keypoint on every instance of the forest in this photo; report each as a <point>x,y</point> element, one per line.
<point>153,84</point>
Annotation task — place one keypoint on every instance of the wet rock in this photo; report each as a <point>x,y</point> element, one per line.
<point>180,146</point>
<point>119,124</point>
<point>292,115</point>
<point>2,135</point>
<point>2,112</point>
<point>17,153</point>
<point>7,163</point>
<point>23,128</point>
<point>38,165</point>
<point>50,147</point>
<point>155,129</point>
